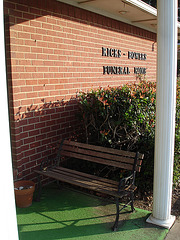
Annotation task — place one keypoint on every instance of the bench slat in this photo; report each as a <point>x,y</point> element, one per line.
<point>88,181</point>
<point>98,160</point>
<point>111,157</point>
<point>82,175</point>
<point>103,149</point>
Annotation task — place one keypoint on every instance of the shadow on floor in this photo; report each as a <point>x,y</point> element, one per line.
<point>67,214</point>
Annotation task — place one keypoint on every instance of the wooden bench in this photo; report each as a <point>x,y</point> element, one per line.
<point>107,156</point>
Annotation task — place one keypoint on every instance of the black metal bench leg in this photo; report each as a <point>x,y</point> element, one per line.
<point>132,201</point>
<point>39,189</point>
<point>115,227</point>
<point>59,184</point>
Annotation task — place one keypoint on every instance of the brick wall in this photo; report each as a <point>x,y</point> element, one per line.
<point>54,50</point>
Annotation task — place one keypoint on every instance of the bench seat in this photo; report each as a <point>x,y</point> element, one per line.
<point>88,181</point>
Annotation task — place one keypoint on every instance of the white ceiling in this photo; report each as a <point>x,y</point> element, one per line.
<point>134,12</point>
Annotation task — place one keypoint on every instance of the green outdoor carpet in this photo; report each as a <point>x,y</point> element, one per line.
<point>68,214</point>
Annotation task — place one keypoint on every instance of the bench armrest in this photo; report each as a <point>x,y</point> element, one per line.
<point>126,182</point>
<point>49,163</point>
<point>52,162</point>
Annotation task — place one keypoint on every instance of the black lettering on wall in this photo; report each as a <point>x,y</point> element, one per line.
<point>111,52</point>
<point>139,70</point>
<point>103,51</point>
<point>116,70</point>
<point>138,56</point>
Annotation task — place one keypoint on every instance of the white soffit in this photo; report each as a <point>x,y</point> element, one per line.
<point>133,12</point>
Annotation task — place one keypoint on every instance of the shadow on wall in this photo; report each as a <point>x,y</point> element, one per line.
<point>36,129</point>
<point>39,130</point>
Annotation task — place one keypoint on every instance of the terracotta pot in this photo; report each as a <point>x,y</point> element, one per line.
<point>24,197</point>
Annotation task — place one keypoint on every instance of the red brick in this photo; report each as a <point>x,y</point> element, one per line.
<point>24,62</point>
<point>29,140</point>
<point>51,20</point>
<point>47,26</point>
<point>35,157</point>
<point>35,11</point>
<point>52,45</point>
<point>35,24</point>
<point>34,132</point>
<point>33,120</point>
<point>40,137</point>
<point>26,89</point>
<point>40,125</point>
<point>52,57</point>
<point>29,152</point>
<point>26,172</point>
<point>41,149</point>
<point>29,56</point>
<point>42,56</point>
<point>45,142</point>
<point>17,68</point>
<point>28,128</point>
<point>36,49</point>
<point>37,75</point>
<point>24,35</point>
<point>48,51</point>
<point>46,153</point>
<point>53,69</point>
<point>29,43</point>
<point>15,13</point>
<point>42,44</point>
<point>28,16</point>
<point>23,148</point>
<point>31,82</point>
<point>30,164</point>
<point>19,96</point>
<point>37,88</point>
<point>30,69</point>
<point>40,31</point>
<point>37,62</point>
<point>9,5</point>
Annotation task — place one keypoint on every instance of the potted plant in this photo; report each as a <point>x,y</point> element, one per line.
<point>24,193</point>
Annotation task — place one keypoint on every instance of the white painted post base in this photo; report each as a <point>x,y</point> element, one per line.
<point>162,223</point>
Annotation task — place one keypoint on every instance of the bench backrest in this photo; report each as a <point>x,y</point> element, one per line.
<point>108,156</point>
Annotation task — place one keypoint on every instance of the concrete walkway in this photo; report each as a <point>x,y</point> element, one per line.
<point>68,214</point>
<point>174,233</point>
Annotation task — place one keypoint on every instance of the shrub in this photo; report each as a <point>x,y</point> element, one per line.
<point>176,176</point>
<point>124,118</point>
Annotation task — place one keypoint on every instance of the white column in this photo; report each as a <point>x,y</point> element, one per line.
<point>165,113</point>
<point>7,203</point>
